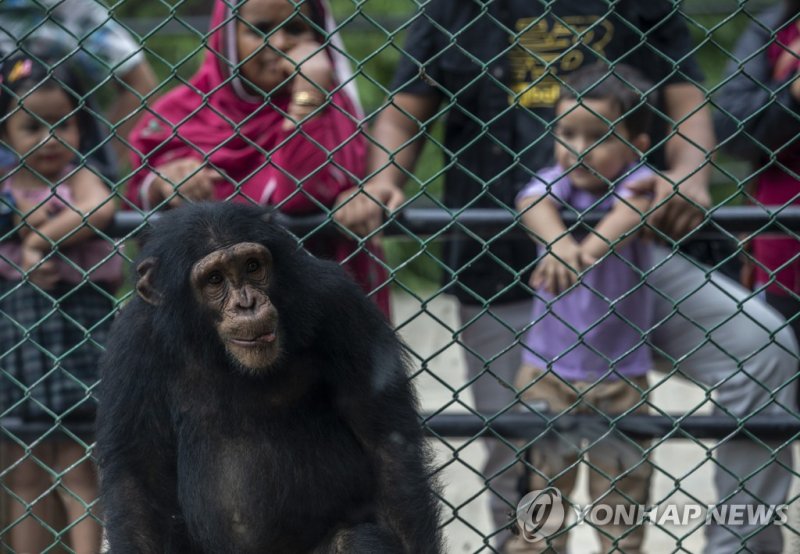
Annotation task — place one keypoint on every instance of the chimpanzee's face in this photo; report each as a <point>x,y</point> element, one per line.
<point>233,283</point>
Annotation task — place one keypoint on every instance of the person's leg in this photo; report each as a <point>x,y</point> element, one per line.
<point>789,307</point>
<point>28,500</point>
<point>553,458</point>
<point>493,356</point>
<point>742,350</point>
<point>554,466</point>
<point>619,472</point>
<point>79,490</point>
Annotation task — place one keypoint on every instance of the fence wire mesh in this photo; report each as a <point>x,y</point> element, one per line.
<point>618,362</point>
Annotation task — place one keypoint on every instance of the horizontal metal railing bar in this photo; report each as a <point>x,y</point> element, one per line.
<point>521,426</point>
<point>527,426</point>
<point>640,426</point>
<point>487,222</point>
<point>733,219</point>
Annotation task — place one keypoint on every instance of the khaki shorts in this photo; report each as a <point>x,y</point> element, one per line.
<point>618,469</point>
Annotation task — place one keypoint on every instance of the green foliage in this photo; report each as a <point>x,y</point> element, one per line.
<point>716,36</point>
<point>158,9</point>
<point>374,33</point>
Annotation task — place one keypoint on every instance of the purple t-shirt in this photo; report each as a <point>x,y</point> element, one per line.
<point>600,327</point>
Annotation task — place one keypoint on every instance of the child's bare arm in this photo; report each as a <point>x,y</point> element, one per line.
<point>615,229</point>
<point>32,214</point>
<point>91,199</point>
<point>558,269</point>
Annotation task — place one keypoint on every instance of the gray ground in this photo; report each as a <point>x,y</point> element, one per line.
<point>428,330</point>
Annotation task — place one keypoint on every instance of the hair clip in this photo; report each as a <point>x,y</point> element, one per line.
<point>21,69</point>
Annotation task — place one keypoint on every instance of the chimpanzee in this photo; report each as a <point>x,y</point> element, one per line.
<point>253,400</point>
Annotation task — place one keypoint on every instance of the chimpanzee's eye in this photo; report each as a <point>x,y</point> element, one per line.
<point>215,278</point>
<point>252,266</point>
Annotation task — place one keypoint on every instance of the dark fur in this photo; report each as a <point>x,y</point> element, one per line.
<point>322,454</point>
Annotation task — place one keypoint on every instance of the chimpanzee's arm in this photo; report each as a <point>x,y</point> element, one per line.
<point>376,398</point>
<point>385,420</point>
<point>131,523</point>
<point>133,443</point>
<point>136,488</point>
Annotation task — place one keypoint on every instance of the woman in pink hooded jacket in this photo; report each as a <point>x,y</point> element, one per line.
<point>271,117</point>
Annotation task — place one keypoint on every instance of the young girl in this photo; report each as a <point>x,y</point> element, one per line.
<point>57,277</point>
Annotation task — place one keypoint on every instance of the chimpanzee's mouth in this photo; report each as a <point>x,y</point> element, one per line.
<point>259,340</point>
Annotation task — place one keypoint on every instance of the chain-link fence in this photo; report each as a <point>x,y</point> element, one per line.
<point>593,305</point>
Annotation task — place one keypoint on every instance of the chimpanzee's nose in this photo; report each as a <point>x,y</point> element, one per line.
<point>245,299</point>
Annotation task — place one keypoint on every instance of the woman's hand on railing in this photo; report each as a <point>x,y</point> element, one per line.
<point>362,209</point>
<point>181,180</point>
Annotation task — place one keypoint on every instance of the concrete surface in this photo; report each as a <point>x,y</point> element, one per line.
<point>428,328</point>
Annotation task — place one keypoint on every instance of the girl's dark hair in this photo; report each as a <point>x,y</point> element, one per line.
<point>626,87</point>
<point>23,73</point>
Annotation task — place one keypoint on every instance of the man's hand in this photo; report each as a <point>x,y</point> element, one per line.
<point>558,269</point>
<point>395,144</point>
<point>362,209</point>
<point>683,190</point>
<point>188,178</point>
<point>678,209</point>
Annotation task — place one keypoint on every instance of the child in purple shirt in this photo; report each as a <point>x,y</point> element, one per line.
<point>589,324</point>
<point>585,349</point>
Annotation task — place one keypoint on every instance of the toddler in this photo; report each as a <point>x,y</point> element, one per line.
<point>585,350</point>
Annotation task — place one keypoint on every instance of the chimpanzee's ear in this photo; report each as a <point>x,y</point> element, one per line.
<point>144,282</point>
